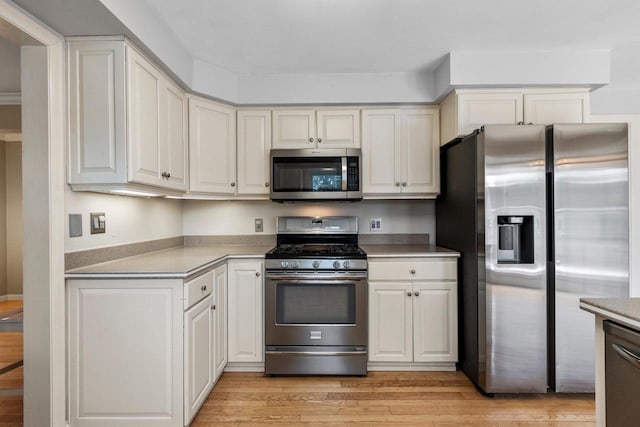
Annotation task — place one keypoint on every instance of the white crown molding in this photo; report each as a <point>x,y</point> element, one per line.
<point>10,99</point>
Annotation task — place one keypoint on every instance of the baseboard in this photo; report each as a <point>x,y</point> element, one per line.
<point>405,366</point>
<point>244,367</point>
<point>14,297</point>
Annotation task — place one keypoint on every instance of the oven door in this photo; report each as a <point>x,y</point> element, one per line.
<point>304,311</point>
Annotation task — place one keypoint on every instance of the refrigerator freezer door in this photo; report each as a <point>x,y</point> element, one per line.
<point>515,355</point>
<point>591,226</point>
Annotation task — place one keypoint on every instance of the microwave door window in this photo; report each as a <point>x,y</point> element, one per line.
<point>318,174</point>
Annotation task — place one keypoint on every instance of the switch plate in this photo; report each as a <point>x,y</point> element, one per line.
<point>98,222</point>
<point>259,225</point>
<point>375,224</point>
<point>75,225</point>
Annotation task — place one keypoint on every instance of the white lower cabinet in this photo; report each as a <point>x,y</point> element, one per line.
<point>125,352</point>
<point>246,345</point>
<point>219,322</point>
<point>413,314</point>
<point>198,356</point>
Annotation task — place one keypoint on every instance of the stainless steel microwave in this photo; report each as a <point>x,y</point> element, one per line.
<point>316,174</point>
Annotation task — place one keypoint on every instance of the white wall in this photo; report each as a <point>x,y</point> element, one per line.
<point>10,68</point>
<point>129,219</point>
<point>237,217</point>
<point>622,95</point>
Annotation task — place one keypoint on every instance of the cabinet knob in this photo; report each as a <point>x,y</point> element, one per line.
<point>168,175</point>
<point>233,184</point>
<point>520,123</point>
<point>319,140</point>
<point>311,139</point>
<point>203,288</point>
<point>413,271</point>
<point>257,274</point>
<point>213,307</point>
<point>266,184</point>
<point>397,184</point>
<point>416,293</point>
<point>408,294</point>
<point>164,174</point>
<point>404,184</point>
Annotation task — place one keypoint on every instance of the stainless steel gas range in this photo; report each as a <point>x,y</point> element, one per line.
<point>316,298</point>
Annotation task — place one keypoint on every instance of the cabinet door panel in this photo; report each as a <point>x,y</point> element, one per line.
<point>144,120</point>
<point>174,137</point>
<point>220,322</point>
<point>547,109</point>
<point>198,354</point>
<point>245,312</point>
<point>254,143</point>
<point>338,129</point>
<point>435,322</point>
<point>294,129</point>
<point>97,113</point>
<point>381,151</point>
<point>390,322</point>
<point>212,147</point>
<point>421,154</point>
<point>125,352</point>
<point>478,109</point>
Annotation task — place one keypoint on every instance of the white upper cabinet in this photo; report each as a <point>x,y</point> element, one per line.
<point>127,119</point>
<point>545,109</point>
<point>294,128</point>
<point>212,147</point>
<point>338,128</point>
<point>381,151</point>
<point>316,128</point>
<point>400,153</point>
<point>254,144</point>
<point>465,110</point>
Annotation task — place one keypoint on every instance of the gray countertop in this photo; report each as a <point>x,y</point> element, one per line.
<point>418,251</point>
<point>185,261</point>
<point>178,262</point>
<point>620,310</point>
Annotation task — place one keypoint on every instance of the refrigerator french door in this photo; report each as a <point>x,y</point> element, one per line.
<point>540,216</point>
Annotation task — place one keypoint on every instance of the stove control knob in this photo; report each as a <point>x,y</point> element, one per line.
<point>284,264</point>
<point>294,264</point>
<point>336,265</point>
<point>316,264</point>
<point>346,265</point>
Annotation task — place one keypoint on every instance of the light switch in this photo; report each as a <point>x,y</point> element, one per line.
<point>259,226</point>
<point>98,222</point>
<point>75,225</point>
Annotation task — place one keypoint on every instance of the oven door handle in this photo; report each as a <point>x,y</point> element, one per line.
<point>318,353</point>
<point>341,280</point>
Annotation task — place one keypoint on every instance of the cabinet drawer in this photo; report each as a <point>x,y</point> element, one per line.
<point>410,269</point>
<point>197,289</point>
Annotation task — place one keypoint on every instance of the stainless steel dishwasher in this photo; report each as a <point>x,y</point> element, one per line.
<point>622,375</point>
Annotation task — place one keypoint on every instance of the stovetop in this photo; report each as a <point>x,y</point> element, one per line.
<point>317,250</point>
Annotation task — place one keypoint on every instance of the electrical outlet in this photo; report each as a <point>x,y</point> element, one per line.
<point>259,225</point>
<point>75,225</point>
<point>375,224</point>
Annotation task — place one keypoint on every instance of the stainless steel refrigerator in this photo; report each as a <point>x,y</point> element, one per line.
<point>540,215</point>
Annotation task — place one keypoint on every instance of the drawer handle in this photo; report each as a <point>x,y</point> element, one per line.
<point>203,288</point>
<point>413,272</point>
<point>627,355</point>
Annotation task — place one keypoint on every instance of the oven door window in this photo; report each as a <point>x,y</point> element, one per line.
<point>321,174</point>
<point>309,303</point>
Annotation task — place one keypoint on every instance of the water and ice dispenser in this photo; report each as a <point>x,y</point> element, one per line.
<point>515,239</point>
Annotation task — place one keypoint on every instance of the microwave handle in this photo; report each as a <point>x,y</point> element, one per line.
<point>344,173</point>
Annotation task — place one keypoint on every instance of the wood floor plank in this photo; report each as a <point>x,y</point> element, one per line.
<point>426,399</point>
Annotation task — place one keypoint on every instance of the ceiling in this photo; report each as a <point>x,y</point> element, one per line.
<point>374,36</point>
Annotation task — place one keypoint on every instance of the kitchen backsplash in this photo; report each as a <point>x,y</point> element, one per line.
<point>238,217</point>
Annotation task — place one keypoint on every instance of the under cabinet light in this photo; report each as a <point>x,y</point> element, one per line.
<point>134,193</point>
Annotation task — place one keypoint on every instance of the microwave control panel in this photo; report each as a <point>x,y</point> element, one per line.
<point>353,174</point>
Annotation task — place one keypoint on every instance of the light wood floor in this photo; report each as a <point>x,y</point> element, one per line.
<point>382,399</point>
<point>10,351</point>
